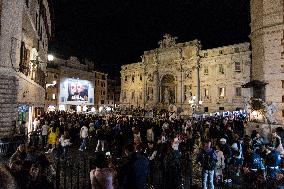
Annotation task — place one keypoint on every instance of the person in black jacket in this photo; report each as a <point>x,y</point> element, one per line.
<point>137,170</point>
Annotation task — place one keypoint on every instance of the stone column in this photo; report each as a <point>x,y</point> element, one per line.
<point>179,88</point>
<point>156,95</point>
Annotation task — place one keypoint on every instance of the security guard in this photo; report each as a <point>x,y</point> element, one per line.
<point>273,161</point>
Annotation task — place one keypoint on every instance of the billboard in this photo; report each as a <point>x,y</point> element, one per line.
<point>76,92</point>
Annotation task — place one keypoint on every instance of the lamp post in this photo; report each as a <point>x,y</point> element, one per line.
<point>194,103</point>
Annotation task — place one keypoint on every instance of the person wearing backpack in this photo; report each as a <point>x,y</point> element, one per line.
<point>208,159</point>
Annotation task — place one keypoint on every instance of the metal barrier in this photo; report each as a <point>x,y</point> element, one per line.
<point>74,174</point>
<point>8,147</point>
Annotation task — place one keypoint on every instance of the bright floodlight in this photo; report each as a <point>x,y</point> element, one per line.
<point>50,57</point>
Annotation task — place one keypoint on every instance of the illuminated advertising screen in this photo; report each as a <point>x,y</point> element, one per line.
<point>76,92</point>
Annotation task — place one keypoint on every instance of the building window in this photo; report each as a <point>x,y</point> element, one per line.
<point>132,95</point>
<point>283,98</point>
<point>140,77</point>
<point>104,93</point>
<point>206,109</point>
<point>238,67</point>
<point>283,84</point>
<point>220,52</point>
<point>205,54</point>
<point>237,50</point>
<point>205,70</point>
<point>103,77</point>
<point>53,96</point>
<point>133,78</point>
<point>28,3</point>
<point>124,95</point>
<point>102,101</point>
<point>140,96</point>
<point>282,113</point>
<point>222,92</point>
<point>221,68</point>
<point>206,93</point>
<point>125,78</point>
<point>221,108</point>
<point>282,68</point>
<point>238,91</point>
<point>55,76</point>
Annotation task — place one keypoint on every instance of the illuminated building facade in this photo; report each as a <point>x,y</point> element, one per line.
<point>175,73</point>
<point>25,31</point>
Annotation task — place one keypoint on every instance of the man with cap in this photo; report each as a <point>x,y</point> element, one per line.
<point>273,160</point>
<point>225,148</point>
<point>237,148</point>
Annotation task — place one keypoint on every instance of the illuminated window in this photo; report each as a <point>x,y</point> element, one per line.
<point>53,96</point>
<point>205,70</point>
<point>221,68</point>
<point>206,93</point>
<point>238,67</point>
<point>221,91</point>
<point>238,91</point>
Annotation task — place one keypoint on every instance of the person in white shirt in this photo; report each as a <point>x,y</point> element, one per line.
<point>84,136</point>
<point>36,123</point>
<point>220,164</point>
<point>44,134</point>
<point>64,142</point>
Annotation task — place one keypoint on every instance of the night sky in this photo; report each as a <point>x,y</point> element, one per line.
<point>117,32</point>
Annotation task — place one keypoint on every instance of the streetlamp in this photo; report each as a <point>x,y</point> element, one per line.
<point>194,103</point>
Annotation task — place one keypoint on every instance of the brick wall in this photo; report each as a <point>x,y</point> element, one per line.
<point>8,105</point>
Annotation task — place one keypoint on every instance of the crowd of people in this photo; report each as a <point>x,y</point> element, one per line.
<point>215,145</point>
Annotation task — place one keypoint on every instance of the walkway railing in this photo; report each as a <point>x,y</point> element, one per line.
<point>8,147</point>
<point>74,174</point>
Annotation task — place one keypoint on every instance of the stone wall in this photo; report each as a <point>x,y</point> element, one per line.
<point>267,26</point>
<point>8,105</point>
